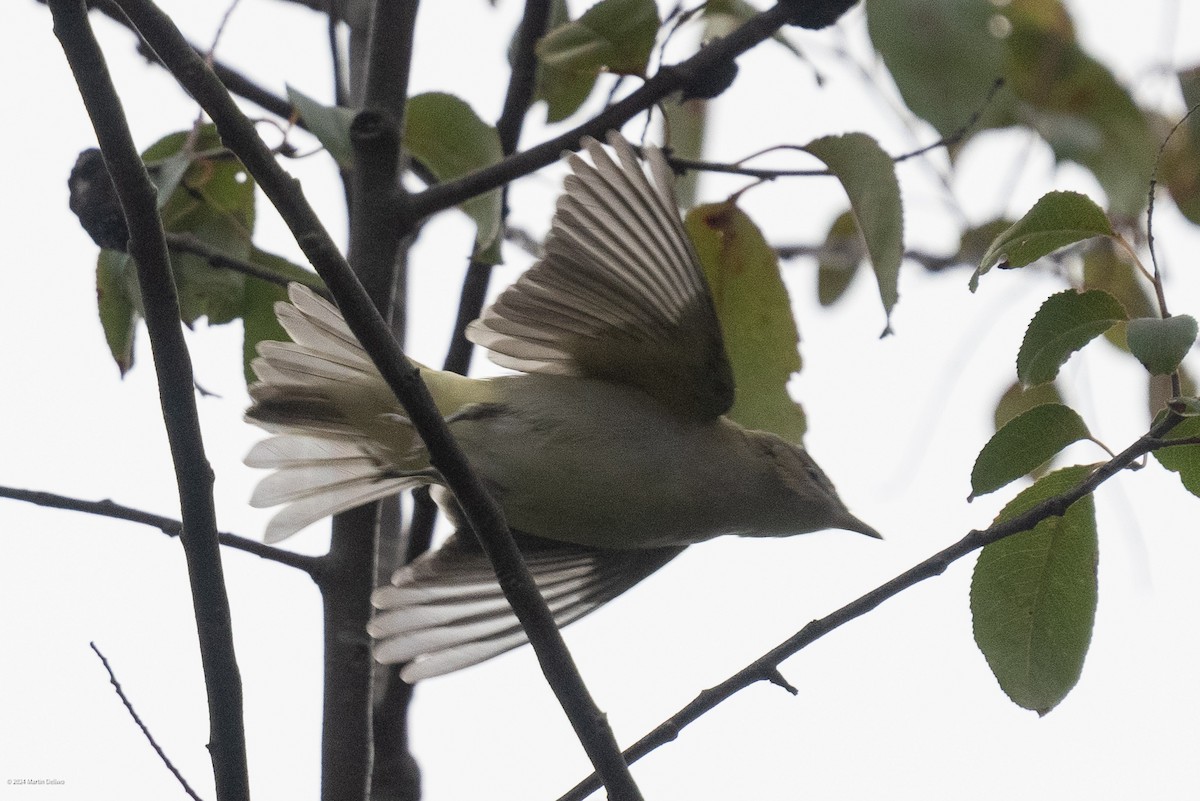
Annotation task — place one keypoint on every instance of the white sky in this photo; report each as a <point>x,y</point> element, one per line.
<point>897,705</point>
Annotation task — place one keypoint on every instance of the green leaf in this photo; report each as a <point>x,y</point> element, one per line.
<point>1058,219</point>
<point>944,59</point>
<point>1033,597</point>
<point>869,178</point>
<point>206,194</point>
<point>723,17</point>
<point>1189,86</point>
<point>213,201</point>
<point>445,134</point>
<point>976,241</point>
<point>1052,85</point>
<point>756,317</point>
<point>259,321</point>
<point>1183,459</point>
<point>1023,444</point>
<point>1076,103</point>
<point>118,312</point>
<point>330,124</point>
<point>1104,267</point>
<point>1065,323</point>
<point>1018,399</point>
<point>1179,166</point>
<point>841,253</point>
<point>613,35</point>
<point>1160,345</point>
<point>617,35</point>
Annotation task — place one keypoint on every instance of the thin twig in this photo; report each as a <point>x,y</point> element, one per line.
<point>189,243</point>
<point>665,81</point>
<point>112,678</point>
<point>765,668</point>
<point>738,168</point>
<point>1176,383</point>
<point>167,525</point>
<point>930,261</point>
<point>521,86</point>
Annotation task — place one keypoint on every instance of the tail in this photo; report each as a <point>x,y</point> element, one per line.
<point>341,438</point>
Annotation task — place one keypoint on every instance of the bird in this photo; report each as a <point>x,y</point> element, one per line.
<point>607,448</point>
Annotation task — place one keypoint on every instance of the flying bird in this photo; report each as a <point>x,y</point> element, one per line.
<point>608,450</point>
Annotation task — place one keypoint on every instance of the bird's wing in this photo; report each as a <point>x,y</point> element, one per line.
<point>618,293</point>
<point>445,611</point>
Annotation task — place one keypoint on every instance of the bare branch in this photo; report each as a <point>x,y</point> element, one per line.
<point>930,261</point>
<point>112,678</point>
<point>188,243</point>
<point>167,525</point>
<point>376,197</point>
<point>194,476</point>
<point>739,168</point>
<point>665,81</point>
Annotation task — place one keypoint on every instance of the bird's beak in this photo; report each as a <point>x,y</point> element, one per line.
<point>848,522</point>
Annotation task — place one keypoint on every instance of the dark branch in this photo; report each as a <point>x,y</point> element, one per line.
<point>765,668</point>
<point>930,261</point>
<point>364,320</point>
<point>112,678</point>
<point>738,168</point>
<point>667,80</point>
<point>350,569</point>
<point>193,474</point>
<point>187,243</point>
<point>521,86</point>
<point>167,525</point>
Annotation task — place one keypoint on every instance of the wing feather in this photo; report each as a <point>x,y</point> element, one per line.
<point>446,611</point>
<point>618,294</point>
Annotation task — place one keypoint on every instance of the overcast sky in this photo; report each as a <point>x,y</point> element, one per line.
<point>897,705</point>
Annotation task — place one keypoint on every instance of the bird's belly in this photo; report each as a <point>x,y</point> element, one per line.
<point>600,465</point>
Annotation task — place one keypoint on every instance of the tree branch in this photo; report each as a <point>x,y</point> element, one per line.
<point>112,679</point>
<point>193,474</point>
<point>189,243</point>
<point>167,525</point>
<point>930,261</point>
<point>364,320</point>
<point>350,569</point>
<point>521,86</point>
<point>665,81</point>
<point>765,668</point>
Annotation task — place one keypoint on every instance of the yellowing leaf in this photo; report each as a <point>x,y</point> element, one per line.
<point>756,316</point>
<point>841,253</point>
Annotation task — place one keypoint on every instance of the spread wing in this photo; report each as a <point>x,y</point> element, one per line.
<point>445,611</point>
<point>618,294</point>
